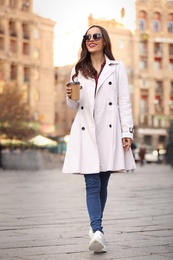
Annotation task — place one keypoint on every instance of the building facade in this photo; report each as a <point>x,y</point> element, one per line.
<point>26,59</point>
<point>153,70</point>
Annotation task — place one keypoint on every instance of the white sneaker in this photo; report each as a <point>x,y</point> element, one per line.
<point>97,242</point>
<point>90,233</point>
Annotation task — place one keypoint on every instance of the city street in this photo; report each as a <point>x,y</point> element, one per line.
<point>43,215</point>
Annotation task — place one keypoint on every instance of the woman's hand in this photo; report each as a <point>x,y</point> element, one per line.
<point>126,143</point>
<point>68,91</point>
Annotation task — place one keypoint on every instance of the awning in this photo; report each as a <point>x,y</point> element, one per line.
<point>152,131</point>
<point>42,141</point>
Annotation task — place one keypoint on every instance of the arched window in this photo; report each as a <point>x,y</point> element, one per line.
<point>142,21</point>
<point>157,22</point>
<point>170,23</point>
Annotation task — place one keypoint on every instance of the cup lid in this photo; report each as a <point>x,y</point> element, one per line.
<point>73,83</point>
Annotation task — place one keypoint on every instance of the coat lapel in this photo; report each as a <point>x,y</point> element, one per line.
<point>108,69</point>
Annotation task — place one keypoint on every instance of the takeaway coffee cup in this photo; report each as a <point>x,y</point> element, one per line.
<point>75,86</point>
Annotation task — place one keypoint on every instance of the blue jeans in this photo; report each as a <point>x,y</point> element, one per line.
<point>96,196</point>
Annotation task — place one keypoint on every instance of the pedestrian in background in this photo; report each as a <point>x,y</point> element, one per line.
<point>133,147</point>
<point>102,131</point>
<point>142,153</point>
<point>169,154</point>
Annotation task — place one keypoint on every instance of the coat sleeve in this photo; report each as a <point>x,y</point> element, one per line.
<point>73,104</point>
<point>124,103</point>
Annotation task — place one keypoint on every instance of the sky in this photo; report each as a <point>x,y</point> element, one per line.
<point>71,17</point>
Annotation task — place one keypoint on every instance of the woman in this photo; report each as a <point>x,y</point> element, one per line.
<point>102,132</point>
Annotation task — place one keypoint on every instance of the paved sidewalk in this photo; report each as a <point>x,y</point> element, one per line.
<point>43,216</point>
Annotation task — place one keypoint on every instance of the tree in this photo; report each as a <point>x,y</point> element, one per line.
<point>15,116</point>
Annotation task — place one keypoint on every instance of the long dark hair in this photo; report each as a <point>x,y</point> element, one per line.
<point>84,64</point>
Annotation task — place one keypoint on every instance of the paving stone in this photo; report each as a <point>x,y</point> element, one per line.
<point>43,215</point>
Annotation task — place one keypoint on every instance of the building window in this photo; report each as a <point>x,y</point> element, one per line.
<point>147,139</point>
<point>25,5</point>
<point>1,43</point>
<point>12,29</point>
<point>121,44</point>
<point>155,26</point>
<point>157,22</point>
<point>142,21</point>
<point>25,30</point>
<point>143,104</point>
<point>171,49</point>
<point>158,49</point>
<point>25,95</point>
<point>36,95</point>
<point>171,87</point>
<point>36,33</point>
<point>171,96</point>
<point>157,63</point>
<point>2,86</point>
<point>170,27</point>
<point>13,72</point>
<point>143,47</point>
<point>159,86</point>
<point>171,64</point>
<point>36,53</point>
<point>144,83</point>
<point>158,101</point>
<point>143,63</point>
<point>170,23</point>
<point>1,28</point>
<point>26,74</point>
<point>13,3</point>
<point>13,46</point>
<point>1,72</point>
<point>25,48</point>
<point>36,74</point>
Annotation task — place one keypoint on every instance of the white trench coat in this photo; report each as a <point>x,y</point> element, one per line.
<point>102,120</point>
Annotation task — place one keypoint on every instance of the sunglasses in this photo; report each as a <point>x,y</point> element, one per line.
<point>95,36</point>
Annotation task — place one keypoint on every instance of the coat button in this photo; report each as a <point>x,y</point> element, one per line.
<point>110,103</point>
<point>82,107</point>
<point>110,125</point>
<point>83,128</point>
<point>131,130</point>
<point>110,83</point>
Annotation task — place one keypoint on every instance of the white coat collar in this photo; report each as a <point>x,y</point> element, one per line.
<point>110,62</point>
<point>108,69</point>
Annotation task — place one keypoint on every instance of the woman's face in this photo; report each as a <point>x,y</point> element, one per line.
<point>94,40</point>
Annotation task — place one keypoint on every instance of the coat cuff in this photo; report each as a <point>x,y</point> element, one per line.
<point>127,135</point>
<point>73,104</point>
